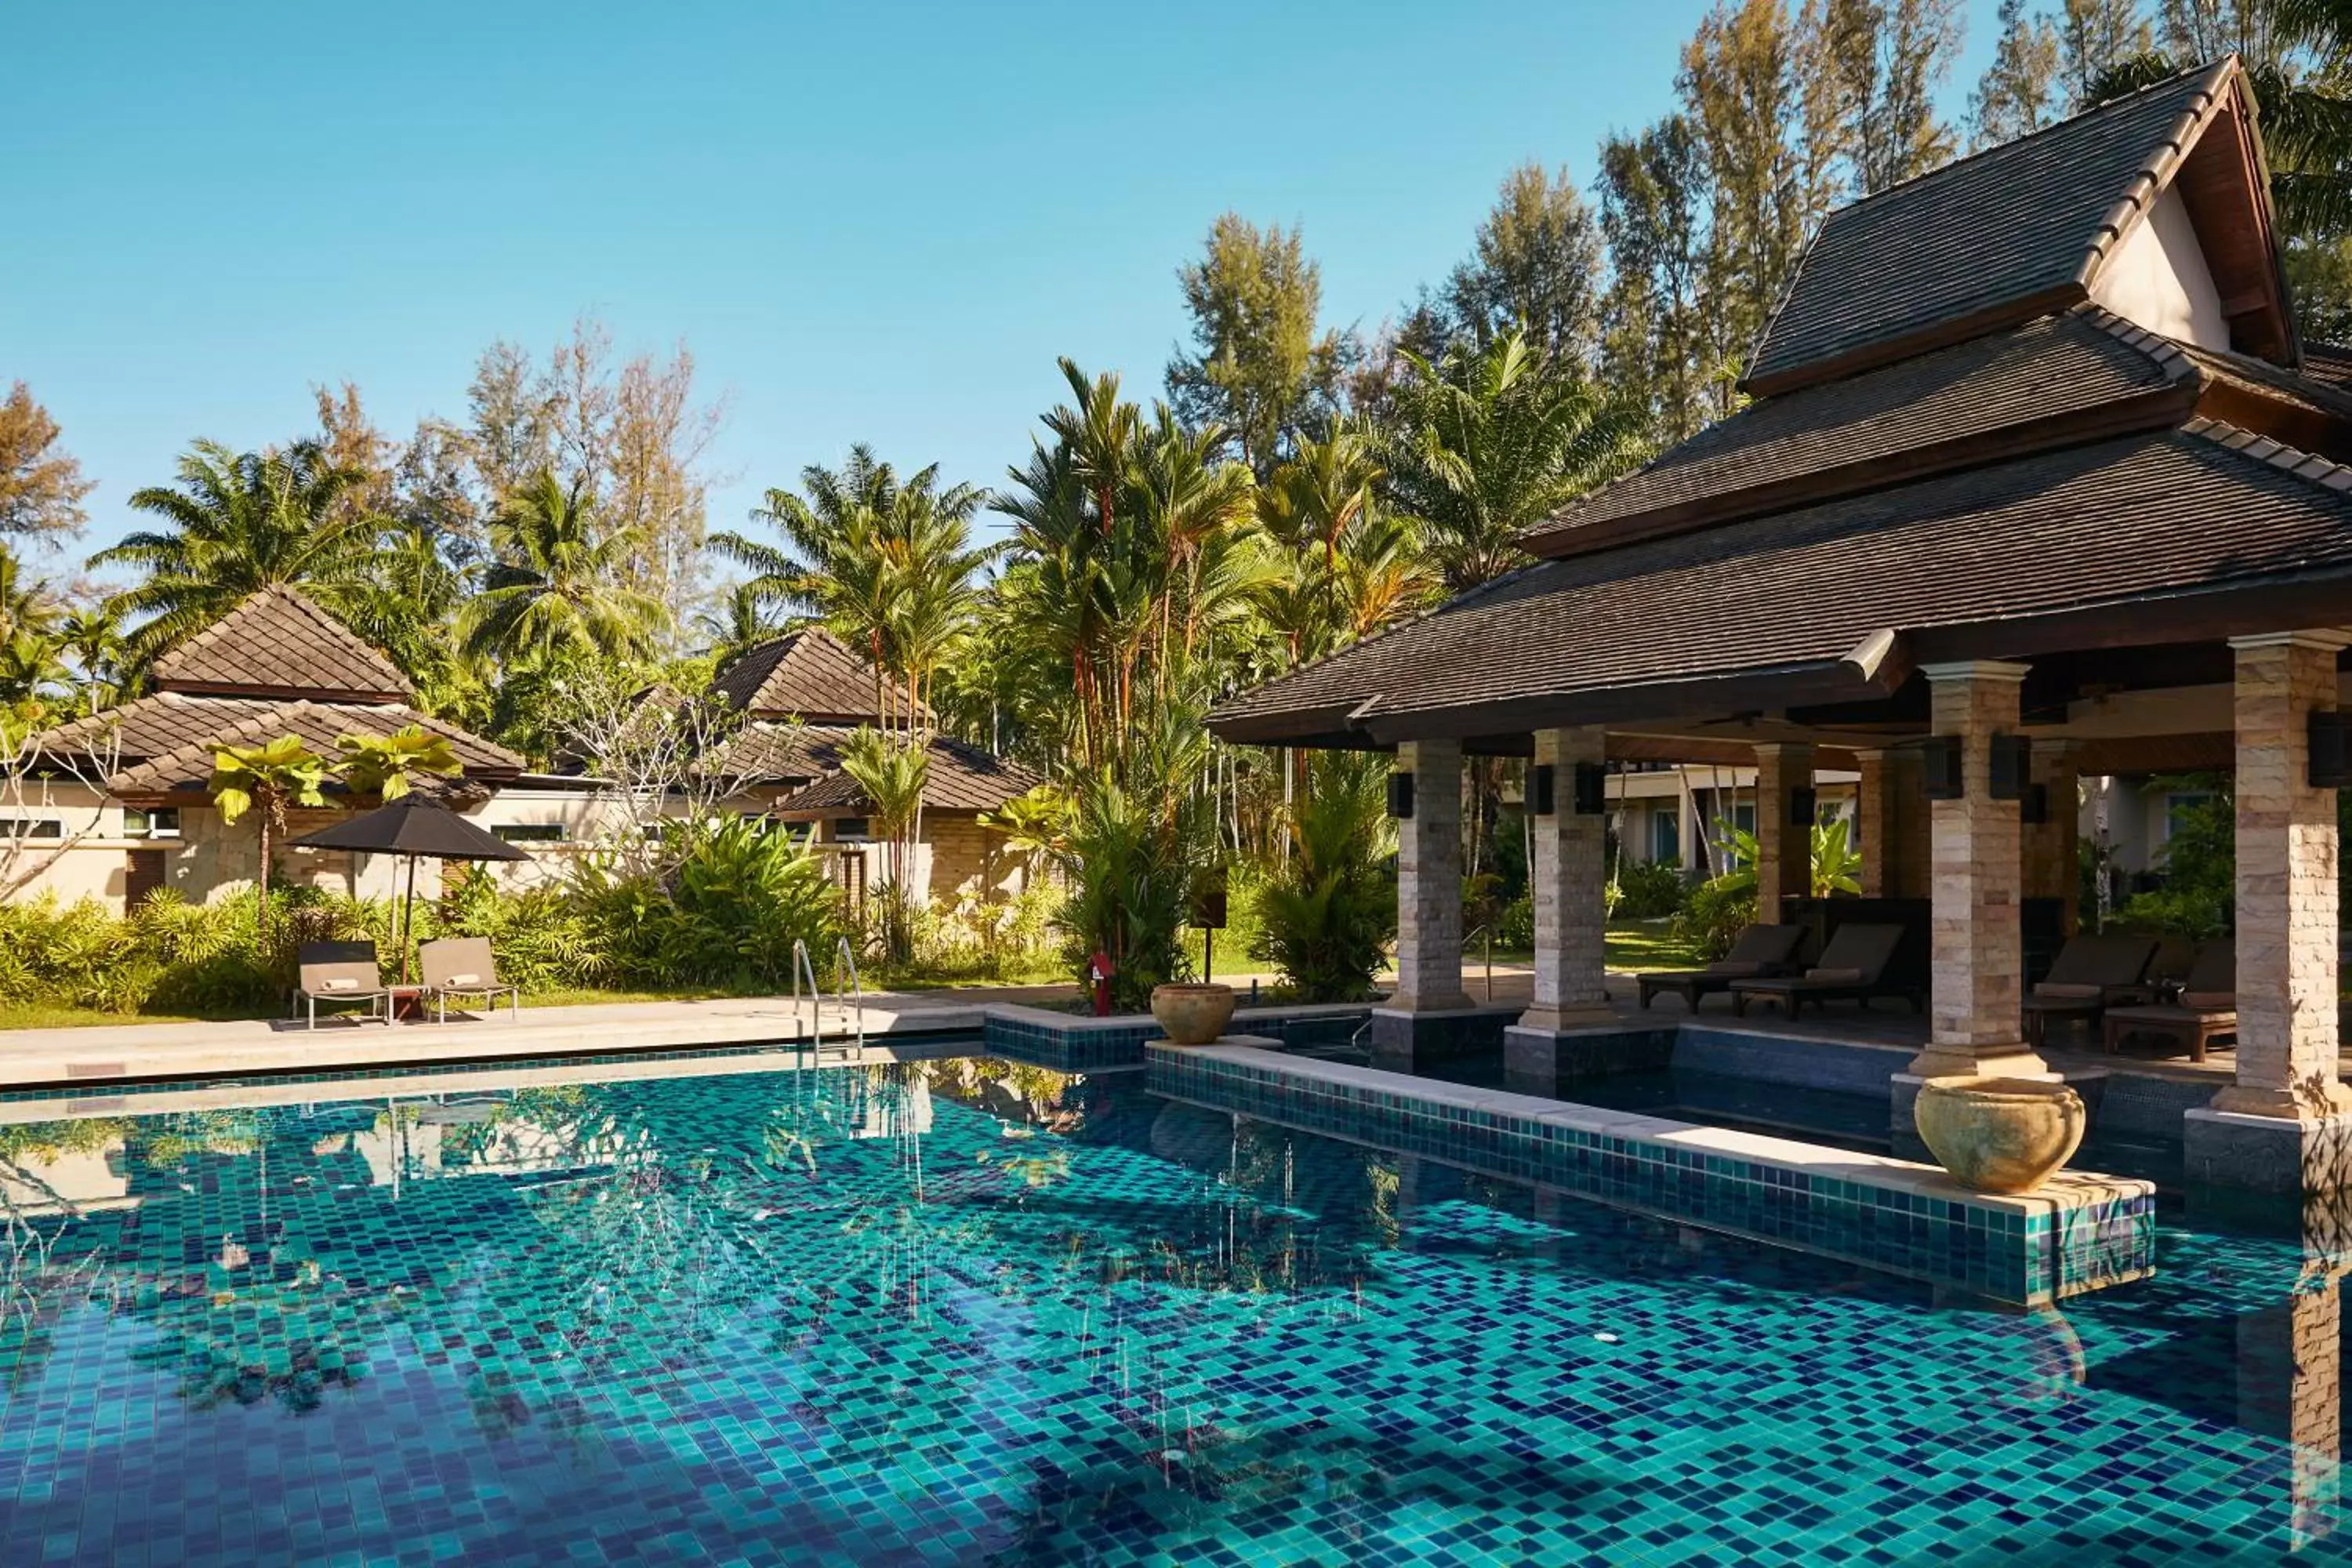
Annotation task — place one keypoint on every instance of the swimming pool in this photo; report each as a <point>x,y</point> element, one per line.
<point>972,1312</point>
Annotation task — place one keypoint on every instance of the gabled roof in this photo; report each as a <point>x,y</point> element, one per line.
<point>809,674</point>
<point>2070,377</point>
<point>2204,530</point>
<point>277,644</point>
<point>2024,229</point>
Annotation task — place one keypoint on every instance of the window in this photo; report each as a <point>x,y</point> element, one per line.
<point>162,822</point>
<point>533,832</point>
<point>851,830</point>
<point>1667,837</point>
<point>31,827</point>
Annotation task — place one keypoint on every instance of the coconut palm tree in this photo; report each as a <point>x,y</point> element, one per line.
<point>892,771</point>
<point>561,584</point>
<point>93,638</point>
<point>741,621</point>
<point>1491,443</point>
<point>238,522</point>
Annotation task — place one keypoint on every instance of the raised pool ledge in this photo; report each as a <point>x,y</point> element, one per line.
<point>2079,1232</point>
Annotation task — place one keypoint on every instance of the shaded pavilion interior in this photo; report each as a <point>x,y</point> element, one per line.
<point>2037,483</point>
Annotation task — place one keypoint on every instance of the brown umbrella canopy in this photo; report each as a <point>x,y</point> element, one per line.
<point>421,828</point>
<point>414,825</point>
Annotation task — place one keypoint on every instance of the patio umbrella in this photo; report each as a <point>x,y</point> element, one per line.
<point>421,828</point>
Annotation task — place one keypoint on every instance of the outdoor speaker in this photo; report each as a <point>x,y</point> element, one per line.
<point>2035,809</point>
<point>1803,803</point>
<point>2331,750</point>
<point>1940,766</point>
<point>1539,789</point>
<point>1400,795</point>
<point>2012,762</point>
<point>1591,789</point>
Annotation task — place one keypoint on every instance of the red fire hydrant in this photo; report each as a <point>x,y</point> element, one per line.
<point>1099,970</point>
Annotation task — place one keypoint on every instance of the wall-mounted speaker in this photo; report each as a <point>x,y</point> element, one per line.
<point>2012,759</point>
<point>1939,768</point>
<point>1539,789</point>
<point>1591,789</point>
<point>2331,750</point>
<point>1400,795</point>
<point>1803,803</point>
<point>2033,810</point>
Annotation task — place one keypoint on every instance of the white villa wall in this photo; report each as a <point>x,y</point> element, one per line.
<point>2157,277</point>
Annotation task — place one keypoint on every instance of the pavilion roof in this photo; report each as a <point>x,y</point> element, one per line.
<point>2026,227</point>
<point>1831,602</point>
<point>164,744</point>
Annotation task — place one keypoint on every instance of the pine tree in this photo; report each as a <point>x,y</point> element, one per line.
<point>1536,267</point>
<point>1654,200</point>
<point>1258,366</point>
<point>2018,93</point>
<point>2094,36</point>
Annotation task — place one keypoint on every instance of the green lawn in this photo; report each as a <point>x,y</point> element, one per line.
<point>1650,944</point>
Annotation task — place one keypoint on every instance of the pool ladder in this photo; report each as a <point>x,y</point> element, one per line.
<point>848,991</point>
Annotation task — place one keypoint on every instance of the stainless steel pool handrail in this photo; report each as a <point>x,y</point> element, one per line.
<point>801,966</point>
<point>845,960</point>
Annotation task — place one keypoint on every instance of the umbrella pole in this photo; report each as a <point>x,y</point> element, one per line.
<point>408,920</point>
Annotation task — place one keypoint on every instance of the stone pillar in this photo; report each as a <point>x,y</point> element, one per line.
<point>1570,866</point>
<point>2051,868</point>
<point>1874,823</point>
<point>1784,866</point>
<point>2286,1056</point>
<point>1913,873</point>
<point>1429,881</point>
<point>1978,959</point>
<point>2291,1387</point>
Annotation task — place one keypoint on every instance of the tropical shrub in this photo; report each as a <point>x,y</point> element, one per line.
<point>1327,918</point>
<point>1648,889</point>
<point>1716,912</point>
<point>1128,874</point>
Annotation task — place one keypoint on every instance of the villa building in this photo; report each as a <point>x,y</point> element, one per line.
<point>2037,483</point>
<point>119,806</point>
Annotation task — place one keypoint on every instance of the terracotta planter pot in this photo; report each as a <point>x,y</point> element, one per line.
<point>2000,1134</point>
<point>1192,1015</point>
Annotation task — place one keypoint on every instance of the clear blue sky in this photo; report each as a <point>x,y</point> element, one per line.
<point>868,221</point>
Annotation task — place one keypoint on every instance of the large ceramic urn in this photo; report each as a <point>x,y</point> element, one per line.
<point>1192,1015</point>
<point>2000,1134</point>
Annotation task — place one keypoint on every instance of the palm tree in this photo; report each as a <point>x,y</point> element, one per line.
<point>887,564</point>
<point>238,523</point>
<point>25,603</point>
<point>561,584</point>
<point>94,639</point>
<point>892,773</point>
<point>1491,443</point>
<point>741,621</point>
<point>274,778</point>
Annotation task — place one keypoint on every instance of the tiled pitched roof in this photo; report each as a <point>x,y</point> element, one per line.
<point>2328,363</point>
<point>166,741</point>
<point>961,778</point>
<point>279,644</point>
<point>2130,520</point>
<point>808,674</point>
<point>2020,228</point>
<point>2017,389</point>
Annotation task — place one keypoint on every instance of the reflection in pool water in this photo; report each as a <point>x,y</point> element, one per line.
<point>973,1311</point>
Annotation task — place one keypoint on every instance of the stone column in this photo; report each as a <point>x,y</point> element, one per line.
<point>1977,958</point>
<point>1874,822</point>
<point>2286,1056</point>
<point>1429,881</point>
<point>1570,866</point>
<point>1784,868</point>
<point>2291,1386</point>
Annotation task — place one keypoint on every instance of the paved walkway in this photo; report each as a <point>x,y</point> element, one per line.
<point>97,1053</point>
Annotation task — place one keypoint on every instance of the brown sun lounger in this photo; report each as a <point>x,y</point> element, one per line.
<point>2090,974</point>
<point>464,966</point>
<point>1851,967</point>
<point>2207,1010</point>
<point>342,974</point>
<point>1761,950</point>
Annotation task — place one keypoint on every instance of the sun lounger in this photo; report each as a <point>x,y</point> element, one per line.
<point>1853,968</point>
<point>2205,1012</point>
<point>1761,950</point>
<point>342,974</point>
<point>464,966</point>
<point>2090,974</point>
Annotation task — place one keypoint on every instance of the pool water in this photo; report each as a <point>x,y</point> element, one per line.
<point>968,1312</point>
